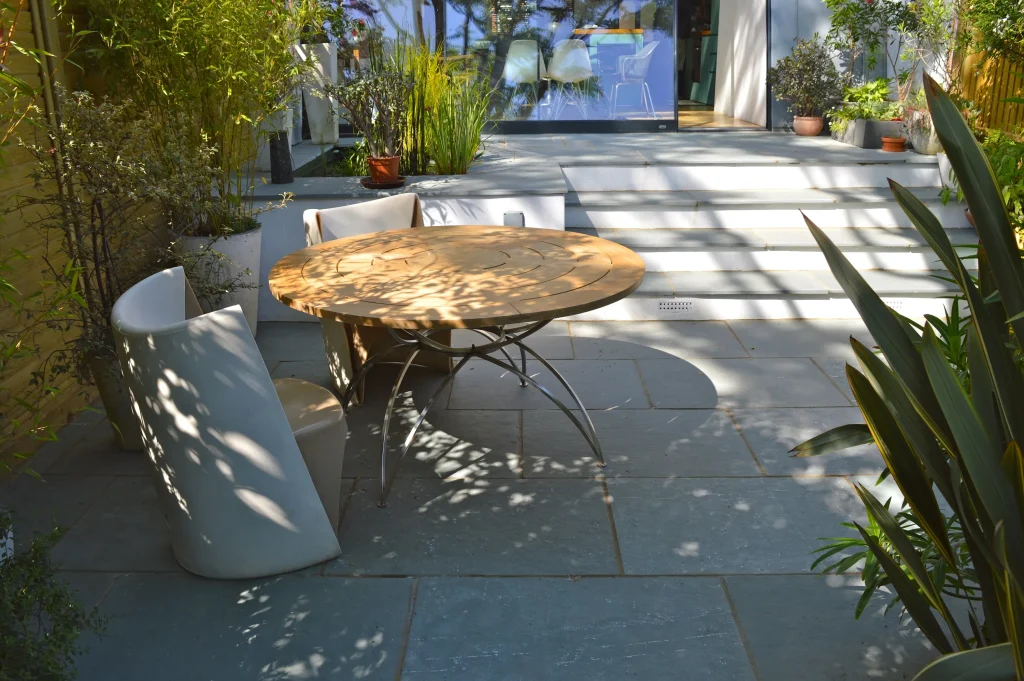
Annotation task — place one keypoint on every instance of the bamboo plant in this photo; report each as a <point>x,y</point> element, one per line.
<point>946,441</point>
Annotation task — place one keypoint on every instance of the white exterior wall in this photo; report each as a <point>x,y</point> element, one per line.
<point>740,80</point>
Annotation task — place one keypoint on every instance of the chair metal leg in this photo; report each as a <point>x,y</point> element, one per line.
<point>382,501</point>
<point>648,101</point>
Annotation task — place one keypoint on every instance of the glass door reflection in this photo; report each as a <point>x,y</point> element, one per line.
<point>570,60</point>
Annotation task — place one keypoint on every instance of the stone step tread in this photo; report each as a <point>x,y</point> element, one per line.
<point>787,283</point>
<point>850,239</point>
<point>633,200</point>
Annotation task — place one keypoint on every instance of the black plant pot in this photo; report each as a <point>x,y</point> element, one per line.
<point>280,159</point>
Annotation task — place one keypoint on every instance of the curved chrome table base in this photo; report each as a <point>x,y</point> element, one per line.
<point>499,338</point>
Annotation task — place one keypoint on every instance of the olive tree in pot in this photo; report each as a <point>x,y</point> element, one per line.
<point>809,80</point>
<point>375,100</point>
<point>92,182</point>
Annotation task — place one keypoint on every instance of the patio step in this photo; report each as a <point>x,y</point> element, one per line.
<point>730,209</point>
<point>717,250</point>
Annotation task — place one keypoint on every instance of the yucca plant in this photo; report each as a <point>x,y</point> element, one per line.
<point>944,438</point>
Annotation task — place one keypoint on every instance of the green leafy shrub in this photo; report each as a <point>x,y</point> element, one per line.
<point>808,79</point>
<point>999,27</point>
<point>872,92</point>
<point>948,434</point>
<point>1006,154</point>
<point>40,619</point>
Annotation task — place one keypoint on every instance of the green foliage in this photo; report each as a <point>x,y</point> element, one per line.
<point>92,179</point>
<point>950,434</point>
<point>860,28</point>
<point>1006,154</point>
<point>208,71</point>
<point>999,25</point>
<point>40,619</point>
<point>807,78</point>
<point>456,123</point>
<point>872,92</point>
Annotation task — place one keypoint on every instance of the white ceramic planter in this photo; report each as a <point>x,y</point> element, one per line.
<point>281,121</point>
<point>323,124</point>
<point>243,253</point>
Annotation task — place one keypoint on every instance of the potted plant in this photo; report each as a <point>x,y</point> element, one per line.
<point>374,99</point>
<point>92,182</point>
<point>866,115</point>
<point>809,80</point>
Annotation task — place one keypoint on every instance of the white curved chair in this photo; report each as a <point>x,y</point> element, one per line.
<point>570,66</point>
<point>248,469</point>
<point>633,71</point>
<point>349,346</point>
<point>524,64</point>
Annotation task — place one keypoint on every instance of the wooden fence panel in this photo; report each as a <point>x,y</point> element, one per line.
<point>988,82</point>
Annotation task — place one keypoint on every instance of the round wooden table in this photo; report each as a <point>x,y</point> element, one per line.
<point>503,283</point>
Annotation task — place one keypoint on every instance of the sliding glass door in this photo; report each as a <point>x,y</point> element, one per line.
<point>561,61</point>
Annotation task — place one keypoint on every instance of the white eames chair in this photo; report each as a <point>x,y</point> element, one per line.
<point>570,67</point>
<point>348,345</point>
<point>248,470</point>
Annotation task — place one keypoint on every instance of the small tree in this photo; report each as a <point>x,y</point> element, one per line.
<point>808,79</point>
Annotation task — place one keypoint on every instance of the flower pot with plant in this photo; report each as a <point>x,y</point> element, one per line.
<point>93,180</point>
<point>810,82</point>
<point>374,99</point>
<point>865,115</point>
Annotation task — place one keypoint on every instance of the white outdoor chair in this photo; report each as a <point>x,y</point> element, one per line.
<point>524,65</point>
<point>348,346</point>
<point>633,71</point>
<point>248,470</point>
<point>570,67</point>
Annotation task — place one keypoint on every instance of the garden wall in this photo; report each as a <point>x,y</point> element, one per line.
<point>988,83</point>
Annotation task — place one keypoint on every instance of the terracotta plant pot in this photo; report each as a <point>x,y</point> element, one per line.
<point>384,169</point>
<point>808,126</point>
<point>894,143</point>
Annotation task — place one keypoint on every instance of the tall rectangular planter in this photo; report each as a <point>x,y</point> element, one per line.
<point>867,134</point>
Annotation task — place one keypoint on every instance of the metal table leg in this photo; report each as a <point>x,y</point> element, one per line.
<point>499,339</point>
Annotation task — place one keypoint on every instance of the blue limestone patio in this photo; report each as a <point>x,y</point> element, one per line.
<point>504,553</point>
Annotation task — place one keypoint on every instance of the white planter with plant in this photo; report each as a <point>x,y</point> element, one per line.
<point>809,81</point>
<point>227,269</point>
<point>320,108</point>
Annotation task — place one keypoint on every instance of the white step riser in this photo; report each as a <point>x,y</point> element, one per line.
<point>699,309</point>
<point>882,215</point>
<point>739,261</point>
<point>710,177</point>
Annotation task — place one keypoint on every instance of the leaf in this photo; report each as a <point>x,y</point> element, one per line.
<point>903,464</point>
<point>914,428</point>
<point>993,663</point>
<point>981,190</point>
<point>911,558</point>
<point>978,453</point>
<point>837,439</point>
<point>888,331</point>
<point>913,601</point>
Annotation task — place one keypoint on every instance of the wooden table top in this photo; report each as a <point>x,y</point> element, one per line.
<point>461,276</point>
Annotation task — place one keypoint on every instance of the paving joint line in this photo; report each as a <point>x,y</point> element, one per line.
<point>744,641</point>
<point>643,384</point>
<point>407,628</point>
<point>750,448</point>
<point>833,381</point>
<point>522,445</point>
<point>737,337</point>
<point>611,525</point>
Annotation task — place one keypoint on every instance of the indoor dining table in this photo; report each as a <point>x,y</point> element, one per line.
<point>502,283</point>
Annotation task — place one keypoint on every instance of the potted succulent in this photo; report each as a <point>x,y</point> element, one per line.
<point>375,101</point>
<point>809,80</point>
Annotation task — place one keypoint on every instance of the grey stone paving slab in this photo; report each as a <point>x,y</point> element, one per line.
<point>451,444</point>
<point>38,505</point>
<point>97,453</point>
<point>800,337</point>
<point>65,439</point>
<point>890,283</point>
<point>89,588</point>
<point>650,443</point>
<point>316,372</point>
<point>726,526</point>
<point>552,341</point>
<point>802,627</point>
<point>594,629</point>
<point>773,432</point>
<point>646,340</point>
<point>484,527</point>
<point>174,627</point>
<point>702,383</point>
<point>655,284</point>
<point>124,531</point>
<point>291,341</point>
<point>835,368</point>
<point>600,384</point>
